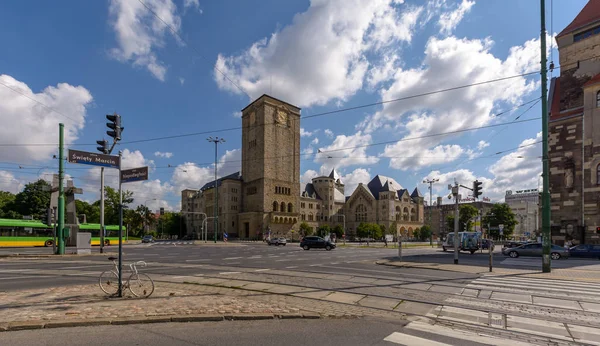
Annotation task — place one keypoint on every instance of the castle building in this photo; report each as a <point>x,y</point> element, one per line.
<point>268,198</point>
<point>574,126</point>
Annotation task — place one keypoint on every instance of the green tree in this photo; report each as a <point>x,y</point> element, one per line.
<point>170,223</point>
<point>368,230</point>
<point>466,213</point>
<point>417,233</point>
<point>324,230</point>
<point>500,214</point>
<point>7,206</point>
<point>34,200</point>
<point>425,232</point>
<point>139,219</point>
<point>306,229</point>
<point>91,211</point>
<point>111,204</point>
<point>338,230</point>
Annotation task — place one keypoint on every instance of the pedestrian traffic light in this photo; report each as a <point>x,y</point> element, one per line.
<point>103,146</point>
<point>48,219</point>
<point>477,189</point>
<point>115,125</point>
<point>598,230</point>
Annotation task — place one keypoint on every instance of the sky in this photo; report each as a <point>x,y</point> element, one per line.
<point>371,76</point>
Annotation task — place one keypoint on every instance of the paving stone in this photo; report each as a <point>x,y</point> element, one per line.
<point>446,289</point>
<point>585,335</point>
<point>537,326</point>
<point>557,302</point>
<point>342,297</point>
<point>521,298</point>
<point>590,306</point>
<point>470,292</point>
<point>379,302</point>
<point>77,323</point>
<point>315,294</point>
<point>25,325</point>
<point>415,308</point>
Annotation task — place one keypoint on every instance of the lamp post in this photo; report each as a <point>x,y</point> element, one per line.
<point>216,140</point>
<point>430,182</point>
<point>344,216</point>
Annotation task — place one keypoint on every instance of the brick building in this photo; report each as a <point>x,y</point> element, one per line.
<point>440,212</point>
<point>574,139</point>
<point>268,197</point>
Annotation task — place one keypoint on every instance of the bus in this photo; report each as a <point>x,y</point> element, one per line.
<point>25,233</point>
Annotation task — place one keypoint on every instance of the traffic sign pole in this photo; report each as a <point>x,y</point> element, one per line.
<point>61,192</point>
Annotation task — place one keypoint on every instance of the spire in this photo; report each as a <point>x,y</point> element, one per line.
<point>335,176</point>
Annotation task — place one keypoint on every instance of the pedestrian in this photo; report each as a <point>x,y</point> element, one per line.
<point>385,241</point>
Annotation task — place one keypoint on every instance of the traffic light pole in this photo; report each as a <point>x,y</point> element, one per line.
<point>456,216</point>
<point>546,264</point>
<point>120,292</point>
<point>216,140</point>
<point>101,209</point>
<point>61,192</point>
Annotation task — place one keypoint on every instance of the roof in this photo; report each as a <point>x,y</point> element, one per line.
<point>416,193</point>
<point>401,192</point>
<point>554,103</point>
<point>308,190</point>
<point>338,196</point>
<point>335,176</point>
<point>593,81</point>
<point>378,183</point>
<point>588,15</point>
<point>211,184</point>
<point>271,97</point>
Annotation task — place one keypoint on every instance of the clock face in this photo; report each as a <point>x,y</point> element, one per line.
<point>281,117</point>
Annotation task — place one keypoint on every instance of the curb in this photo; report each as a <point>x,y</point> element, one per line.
<point>32,325</point>
<point>17,255</point>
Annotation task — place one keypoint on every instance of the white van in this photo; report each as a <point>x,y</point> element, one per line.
<point>469,241</point>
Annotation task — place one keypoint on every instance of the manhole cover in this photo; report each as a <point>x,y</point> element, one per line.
<point>497,320</point>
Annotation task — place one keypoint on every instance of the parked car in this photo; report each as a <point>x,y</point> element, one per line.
<point>310,242</point>
<point>147,239</point>
<point>585,251</point>
<point>535,250</point>
<point>510,244</point>
<point>277,241</point>
<point>485,244</point>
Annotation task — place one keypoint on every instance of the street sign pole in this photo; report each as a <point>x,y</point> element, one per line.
<point>456,216</point>
<point>101,209</point>
<point>546,265</point>
<point>61,192</point>
<point>120,231</point>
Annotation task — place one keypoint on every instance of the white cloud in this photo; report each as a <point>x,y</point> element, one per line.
<point>328,133</point>
<point>384,71</point>
<point>9,183</point>
<point>308,176</point>
<point>191,176</point>
<point>315,141</point>
<point>307,151</point>
<point>449,21</point>
<point>351,180</point>
<point>482,144</point>
<point>161,154</point>
<point>181,80</point>
<point>30,122</point>
<point>328,43</point>
<point>304,133</point>
<point>337,156</point>
<point>416,154</point>
<point>140,33</point>
<point>187,4</point>
<point>237,114</point>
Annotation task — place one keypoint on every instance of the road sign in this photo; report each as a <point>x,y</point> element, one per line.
<point>501,228</point>
<point>87,158</point>
<point>134,174</point>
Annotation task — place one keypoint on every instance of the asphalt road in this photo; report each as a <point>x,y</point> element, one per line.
<point>348,332</point>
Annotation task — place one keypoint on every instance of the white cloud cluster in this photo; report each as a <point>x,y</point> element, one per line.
<point>140,33</point>
<point>304,133</point>
<point>33,122</point>
<point>328,133</point>
<point>328,43</point>
<point>189,175</point>
<point>167,155</point>
<point>482,144</point>
<point>352,179</point>
<point>346,151</point>
<point>449,20</point>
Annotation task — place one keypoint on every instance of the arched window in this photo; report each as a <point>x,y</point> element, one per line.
<point>310,216</point>
<point>413,215</point>
<point>275,206</point>
<point>397,209</point>
<point>598,99</point>
<point>405,216</point>
<point>290,208</point>
<point>397,216</point>
<point>361,213</point>
<point>282,207</point>
<point>598,175</point>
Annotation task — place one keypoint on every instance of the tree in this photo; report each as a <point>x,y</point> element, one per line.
<point>170,223</point>
<point>138,219</point>
<point>306,229</point>
<point>7,206</point>
<point>425,232</point>
<point>466,213</point>
<point>500,214</point>
<point>338,230</point>
<point>368,230</point>
<point>417,233</point>
<point>91,211</point>
<point>111,204</point>
<point>324,230</point>
<point>34,200</point>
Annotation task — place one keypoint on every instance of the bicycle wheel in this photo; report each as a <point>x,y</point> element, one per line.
<point>109,282</point>
<point>141,285</point>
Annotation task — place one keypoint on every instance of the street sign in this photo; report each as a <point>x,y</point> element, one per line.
<point>501,228</point>
<point>134,174</point>
<point>87,158</point>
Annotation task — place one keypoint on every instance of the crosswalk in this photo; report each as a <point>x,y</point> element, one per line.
<point>174,242</point>
<point>421,333</point>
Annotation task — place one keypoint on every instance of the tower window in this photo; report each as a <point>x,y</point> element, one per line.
<point>598,99</point>
<point>598,175</point>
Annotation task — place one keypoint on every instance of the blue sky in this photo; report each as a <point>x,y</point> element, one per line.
<point>80,60</point>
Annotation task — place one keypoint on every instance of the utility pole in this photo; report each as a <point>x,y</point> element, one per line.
<point>546,264</point>
<point>430,182</point>
<point>120,293</point>
<point>61,192</point>
<point>216,140</point>
<point>101,209</point>
<point>456,228</point>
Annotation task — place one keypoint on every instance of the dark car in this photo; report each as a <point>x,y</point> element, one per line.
<point>585,251</point>
<point>316,242</point>
<point>535,250</point>
<point>147,239</point>
<point>485,244</point>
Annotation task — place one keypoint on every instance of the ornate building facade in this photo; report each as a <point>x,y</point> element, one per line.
<point>574,141</point>
<point>268,197</point>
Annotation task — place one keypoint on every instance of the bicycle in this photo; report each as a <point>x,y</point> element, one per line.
<point>139,284</point>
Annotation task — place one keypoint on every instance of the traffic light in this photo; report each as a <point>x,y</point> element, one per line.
<point>48,219</point>
<point>598,230</point>
<point>103,146</point>
<point>477,189</point>
<point>115,125</point>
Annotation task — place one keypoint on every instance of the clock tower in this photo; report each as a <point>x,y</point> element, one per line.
<point>270,166</point>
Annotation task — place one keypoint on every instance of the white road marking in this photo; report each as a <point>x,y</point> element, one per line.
<point>410,340</point>
<point>261,270</point>
<point>198,260</point>
<point>231,258</point>
<point>229,273</point>
<point>462,335</point>
<point>291,267</point>
<point>26,277</point>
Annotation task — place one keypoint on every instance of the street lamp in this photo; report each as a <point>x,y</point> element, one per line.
<point>430,182</point>
<point>344,216</point>
<point>216,140</point>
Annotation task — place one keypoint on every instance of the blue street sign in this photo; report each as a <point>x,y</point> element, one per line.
<point>93,159</point>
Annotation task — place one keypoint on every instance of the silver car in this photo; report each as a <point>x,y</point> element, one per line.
<point>278,241</point>
<point>535,250</point>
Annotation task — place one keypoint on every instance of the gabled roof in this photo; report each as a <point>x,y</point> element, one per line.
<point>389,186</point>
<point>377,184</point>
<point>590,14</point>
<point>335,176</point>
<point>211,184</point>
<point>308,190</point>
<point>271,97</point>
<point>416,193</point>
<point>401,192</point>
<point>593,81</point>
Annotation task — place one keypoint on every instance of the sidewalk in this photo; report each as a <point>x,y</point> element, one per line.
<point>562,273</point>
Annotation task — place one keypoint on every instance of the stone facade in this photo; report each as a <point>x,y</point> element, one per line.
<point>269,198</point>
<point>440,213</point>
<point>574,138</point>
<point>525,205</point>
